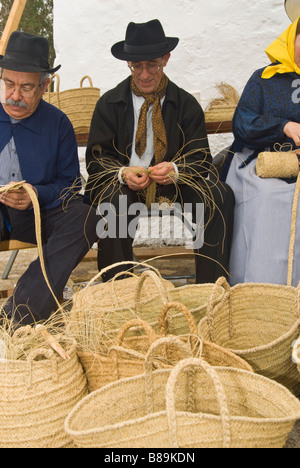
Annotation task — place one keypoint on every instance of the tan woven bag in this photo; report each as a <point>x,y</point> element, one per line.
<point>212,353</point>
<point>100,310</point>
<point>125,357</point>
<point>194,296</point>
<point>36,395</point>
<point>205,407</point>
<point>258,322</point>
<point>78,103</point>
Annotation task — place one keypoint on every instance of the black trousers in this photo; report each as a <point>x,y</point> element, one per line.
<point>67,234</point>
<point>211,260</point>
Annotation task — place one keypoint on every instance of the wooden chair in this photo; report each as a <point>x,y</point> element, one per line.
<point>14,246</point>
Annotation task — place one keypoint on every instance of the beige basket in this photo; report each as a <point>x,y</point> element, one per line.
<point>258,322</point>
<point>100,310</point>
<point>78,103</point>
<point>204,408</point>
<point>195,297</point>
<point>125,358</point>
<point>214,354</point>
<point>36,395</point>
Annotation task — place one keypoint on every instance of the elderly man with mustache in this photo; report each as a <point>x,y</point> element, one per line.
<point>38,145</point>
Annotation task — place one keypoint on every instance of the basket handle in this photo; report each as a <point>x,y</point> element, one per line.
<point>162,319</point>
<point>293,232</point>
<point>110,267</point>
<point>221,396</point>
<point>84,78</point>
<point>48,354</point>
<point>57,82</point>
<point>149,360</point>
<point>221,282</point>
<point>118,341</point>
<point>114,279</point>
<point>157,279</point>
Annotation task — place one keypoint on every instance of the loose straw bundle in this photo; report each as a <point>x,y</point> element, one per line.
<point>222,108</point>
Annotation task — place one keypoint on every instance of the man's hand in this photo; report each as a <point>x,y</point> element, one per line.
<point>16,198</point>
<point>136,178</point>
<point>163,173</point>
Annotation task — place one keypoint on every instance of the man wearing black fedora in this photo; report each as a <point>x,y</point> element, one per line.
<point>148,142</point>
<point>38,145</point>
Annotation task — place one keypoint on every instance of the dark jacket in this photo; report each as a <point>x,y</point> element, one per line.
<point>112,133</point>
<point>47,151</point>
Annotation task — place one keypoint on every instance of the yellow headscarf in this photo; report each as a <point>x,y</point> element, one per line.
<point>283,50</point>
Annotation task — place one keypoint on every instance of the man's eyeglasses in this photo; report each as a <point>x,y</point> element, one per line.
<point>25,91</point>
<point>151,67</point>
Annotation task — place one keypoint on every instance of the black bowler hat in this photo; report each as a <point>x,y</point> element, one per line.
<point>144,41</point>
<point>27,53</point>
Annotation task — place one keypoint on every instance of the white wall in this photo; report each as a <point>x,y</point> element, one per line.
<point>220,40</point>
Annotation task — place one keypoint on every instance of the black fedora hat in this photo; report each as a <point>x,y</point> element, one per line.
<point>27,53</point>
<point>144,41</point>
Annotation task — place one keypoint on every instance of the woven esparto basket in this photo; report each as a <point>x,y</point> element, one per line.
<point>258,322</point>
<point>78,103</point>
<point>212,353</point>
<point>125,357</point>
<point>100,310</point>
<point>36,395</point>
<point>206,407</point>
<point>194,296</point>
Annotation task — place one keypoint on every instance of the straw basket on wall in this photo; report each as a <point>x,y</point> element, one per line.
<point>258,322</point>
<point>78,103</point>
<point>192,405</point>
<point>36,395</point>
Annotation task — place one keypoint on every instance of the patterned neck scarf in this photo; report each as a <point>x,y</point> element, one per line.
<point>159,130</point>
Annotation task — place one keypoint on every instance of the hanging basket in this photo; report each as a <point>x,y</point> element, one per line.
<point>258,322</point>
<point>206,407</point>
<point>78,103</point>
<point>36,395</point>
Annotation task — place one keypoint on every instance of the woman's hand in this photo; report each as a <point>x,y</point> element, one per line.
<point>163,173</point>
<point>292,130</point>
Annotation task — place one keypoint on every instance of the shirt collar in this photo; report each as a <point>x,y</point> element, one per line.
<point>32,123</point>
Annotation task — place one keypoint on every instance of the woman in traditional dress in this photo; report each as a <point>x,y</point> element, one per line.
<point>267,118</point>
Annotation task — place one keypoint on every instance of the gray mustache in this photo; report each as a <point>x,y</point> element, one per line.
<point>12,102</point>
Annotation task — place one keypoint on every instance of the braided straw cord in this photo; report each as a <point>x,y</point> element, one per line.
<point>38,232</point>
<point>293,232</point>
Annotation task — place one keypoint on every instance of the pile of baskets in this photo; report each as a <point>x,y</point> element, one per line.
<point>156,366</point>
